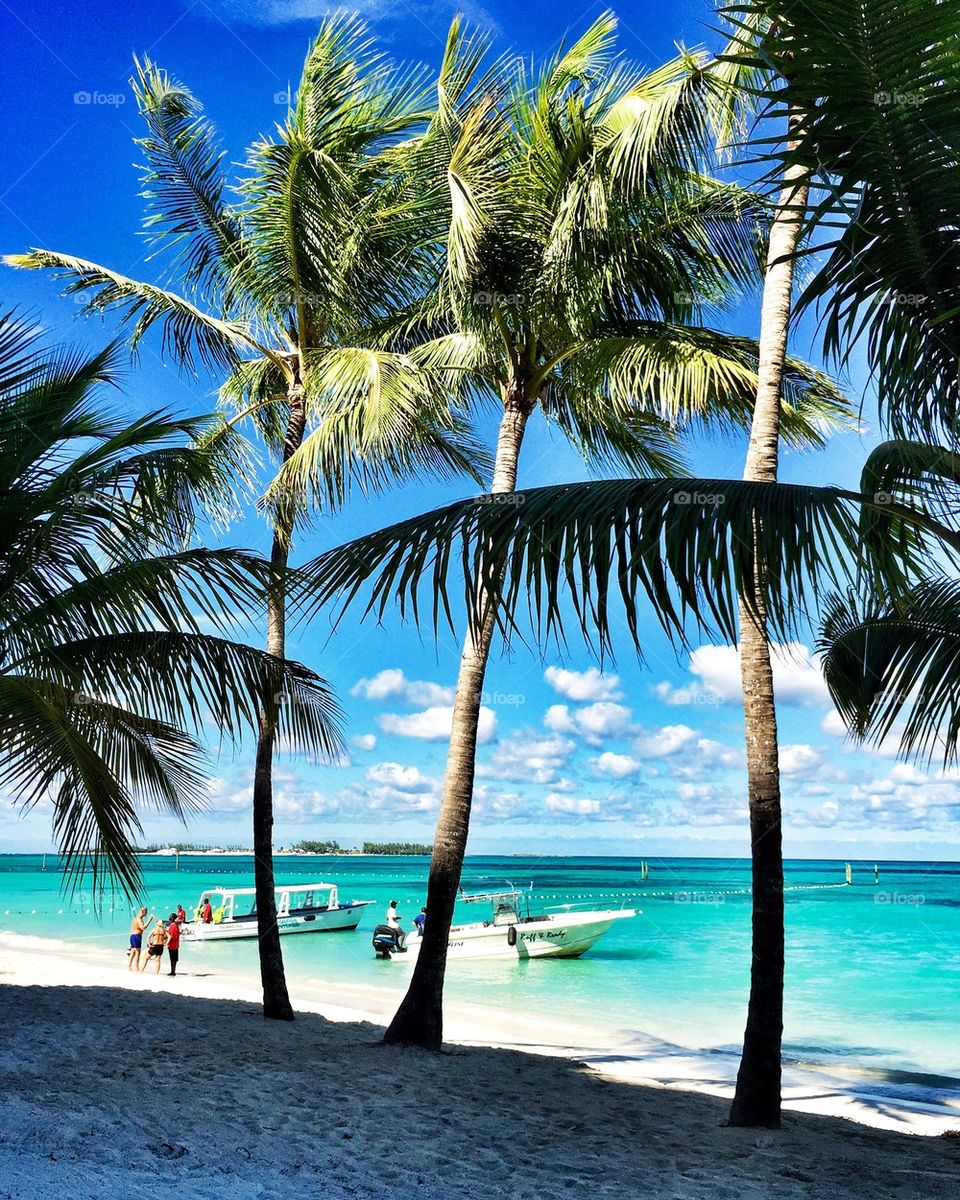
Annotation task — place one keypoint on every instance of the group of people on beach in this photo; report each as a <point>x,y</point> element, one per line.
<point>164,935</point>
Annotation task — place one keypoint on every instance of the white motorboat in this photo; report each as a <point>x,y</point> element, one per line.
<point>513,931</point>
<point>301,908</point>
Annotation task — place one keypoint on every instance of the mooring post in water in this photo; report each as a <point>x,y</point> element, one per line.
<point>848,873</point>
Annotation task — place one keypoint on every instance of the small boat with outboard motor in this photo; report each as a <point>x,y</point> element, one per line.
<point>301,908</point>
<point>513,930</point>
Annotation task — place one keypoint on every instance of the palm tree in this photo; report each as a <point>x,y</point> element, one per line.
<point>808,72</point>
<point>889,184</point>
<point>756,1100</point>
<point>278,291</point>
<point>105,677</point>
<point>584,241</point>
<point>890,658</point>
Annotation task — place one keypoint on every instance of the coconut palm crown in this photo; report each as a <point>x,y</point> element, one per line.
<point>107,682</point>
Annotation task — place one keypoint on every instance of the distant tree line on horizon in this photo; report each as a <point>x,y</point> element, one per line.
<point>314,847</point>
<point>189,847</point>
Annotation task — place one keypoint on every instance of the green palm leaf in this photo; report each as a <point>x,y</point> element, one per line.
<point>893,667</point>
<point>687,546</point>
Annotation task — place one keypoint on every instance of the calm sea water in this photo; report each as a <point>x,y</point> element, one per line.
<point>873,969</point>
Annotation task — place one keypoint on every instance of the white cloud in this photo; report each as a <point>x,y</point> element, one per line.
<point>304,804</point>
<point>403,778</point>
<point>580,686</point>
<point>434,724</point>
<point>593,723</point>
<point>798,759</point>
<point>392,684</point>
<point>286,12</point>
<point>834,723</point>
<point>619,766</point>
<point>365,741</point>
<point>526,756</point>
<point>797,679</point>
<point>665,741</point>
<point>570,806</point>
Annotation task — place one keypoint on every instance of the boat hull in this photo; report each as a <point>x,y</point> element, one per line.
<point>330,920</point>
<point>552,937</point>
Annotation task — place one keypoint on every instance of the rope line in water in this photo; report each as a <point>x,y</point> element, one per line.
<point>565,896</point>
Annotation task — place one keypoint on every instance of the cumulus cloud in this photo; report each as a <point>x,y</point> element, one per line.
<point>572,806</point>
<point>669,739</point>
<point>392,684</point>
<point>798,760</point>
<point>593,723</point>
<point>403,778</point>
<point>833,723</point>
<point>618,766</point>
<point>526,756</point>
<point>797,678</point>
<point>365,741</point>
<point>581,686</point>
<point>434,724</point>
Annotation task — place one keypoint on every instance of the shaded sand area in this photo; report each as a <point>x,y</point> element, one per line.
<point>119,1086</point>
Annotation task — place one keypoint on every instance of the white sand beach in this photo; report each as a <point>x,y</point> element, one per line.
<point>121,1085</point>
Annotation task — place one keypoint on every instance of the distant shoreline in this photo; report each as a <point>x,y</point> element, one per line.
<point>276,854</point>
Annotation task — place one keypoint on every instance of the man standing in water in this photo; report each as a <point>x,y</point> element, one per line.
<point>137,926</point>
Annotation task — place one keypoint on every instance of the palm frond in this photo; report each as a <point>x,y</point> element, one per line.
<point>876,82</point>
<point>190,335</point>
<point>689,547</point>
<point>687,374</point>
<point>375,417</point>
<point>893,667</point>
<point>183,185</point>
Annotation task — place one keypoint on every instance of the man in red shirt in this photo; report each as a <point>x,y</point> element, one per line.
<point>173,942</point>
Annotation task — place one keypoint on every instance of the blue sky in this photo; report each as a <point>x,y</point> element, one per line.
<point>645,759</point>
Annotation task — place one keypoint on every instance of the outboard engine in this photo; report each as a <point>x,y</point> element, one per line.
<point>387,941</point>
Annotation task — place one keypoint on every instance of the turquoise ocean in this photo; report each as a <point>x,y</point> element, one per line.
<point>873,969</point>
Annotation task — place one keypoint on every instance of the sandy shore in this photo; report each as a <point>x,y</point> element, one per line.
<point>118,1085</point>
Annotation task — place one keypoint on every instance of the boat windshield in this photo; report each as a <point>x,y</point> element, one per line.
<point>505,905</point>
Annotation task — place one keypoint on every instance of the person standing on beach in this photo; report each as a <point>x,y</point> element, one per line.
<point>173,942</point>
<point>137,926</point>
<point>420,921</point>
<point>155,944</point>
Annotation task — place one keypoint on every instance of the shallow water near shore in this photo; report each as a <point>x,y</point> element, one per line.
<point>873,969</point>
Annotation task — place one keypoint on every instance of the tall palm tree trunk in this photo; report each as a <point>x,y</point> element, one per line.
<point>419,1019</point>
<point>276,1001</point>
<point>757,1097</point>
